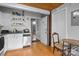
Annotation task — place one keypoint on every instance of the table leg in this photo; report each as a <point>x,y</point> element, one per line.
<point>69,53</point>
<point>63,50</point>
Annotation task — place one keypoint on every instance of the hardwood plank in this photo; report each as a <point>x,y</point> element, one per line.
<point>38,49</point>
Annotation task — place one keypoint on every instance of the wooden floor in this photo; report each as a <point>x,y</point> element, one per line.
<point>38,49</point>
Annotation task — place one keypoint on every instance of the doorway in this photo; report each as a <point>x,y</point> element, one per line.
<point>33,29</point>
<point>39,30</point>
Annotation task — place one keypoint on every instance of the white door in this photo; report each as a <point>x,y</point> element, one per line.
<point>38,29</point>
<point>59,23</point>
<point>44,37</point>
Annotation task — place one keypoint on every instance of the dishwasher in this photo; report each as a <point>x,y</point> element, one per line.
<point>27,40</point>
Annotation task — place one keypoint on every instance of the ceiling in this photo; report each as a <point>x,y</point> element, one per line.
<point>46,6</point>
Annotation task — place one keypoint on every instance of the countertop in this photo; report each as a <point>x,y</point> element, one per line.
<point>17,33</point>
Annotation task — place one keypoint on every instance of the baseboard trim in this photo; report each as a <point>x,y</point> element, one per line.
<point>36,40</point>
<point>26,46</point>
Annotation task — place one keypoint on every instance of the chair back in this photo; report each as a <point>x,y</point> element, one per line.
<point>55,38</point>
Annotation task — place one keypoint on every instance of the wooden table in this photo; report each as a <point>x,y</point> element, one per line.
<point>71,42</point>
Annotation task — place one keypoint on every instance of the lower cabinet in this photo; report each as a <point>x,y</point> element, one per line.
<point>14,41</point>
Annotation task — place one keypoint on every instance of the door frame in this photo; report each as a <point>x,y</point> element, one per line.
<point>31,26</point>
<point>49,28</point>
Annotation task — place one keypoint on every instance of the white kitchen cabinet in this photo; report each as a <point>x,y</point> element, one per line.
<point>14,41</point>
<point>18,40</point>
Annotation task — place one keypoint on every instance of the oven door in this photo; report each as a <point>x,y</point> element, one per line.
<point>1,44</point>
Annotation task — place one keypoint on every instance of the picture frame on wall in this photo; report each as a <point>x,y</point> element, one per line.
<point>75,18</point>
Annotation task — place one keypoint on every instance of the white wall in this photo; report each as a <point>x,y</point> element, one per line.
<point>6,16</point>
<point>71,31</point>
<point>59,22</point>
<point>0,21</point>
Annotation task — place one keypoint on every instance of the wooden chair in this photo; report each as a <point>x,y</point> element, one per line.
<point>59,45</point>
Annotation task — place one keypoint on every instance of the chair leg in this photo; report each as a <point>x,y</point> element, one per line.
<point>69,52</point>
<point>62,53</point>
<point>53,49</point>
<point>57,49</point>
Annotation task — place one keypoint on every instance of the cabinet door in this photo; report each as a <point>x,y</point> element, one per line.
<point>11,42</point>
<point>14,41</point>
<point>18,41</point>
